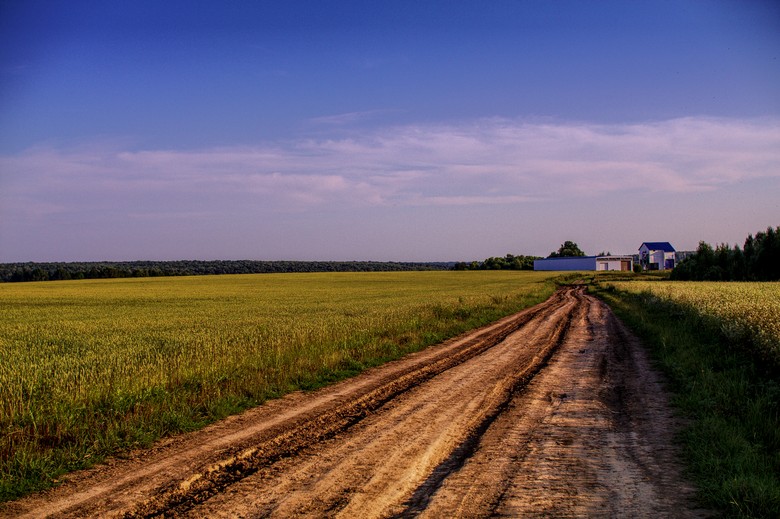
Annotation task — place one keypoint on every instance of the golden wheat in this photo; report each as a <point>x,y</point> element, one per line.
<point>745,310</point>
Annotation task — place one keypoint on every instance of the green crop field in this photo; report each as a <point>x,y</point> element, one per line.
<point>91,368</point>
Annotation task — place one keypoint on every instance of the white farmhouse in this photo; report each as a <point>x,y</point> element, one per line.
<point>656,255</point>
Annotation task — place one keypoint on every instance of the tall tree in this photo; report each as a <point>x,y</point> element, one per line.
<point>567,248</point>
<point>758,261</point>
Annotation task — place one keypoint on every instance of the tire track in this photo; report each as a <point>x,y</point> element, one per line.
<point>421,498</point>
<point>590,436</point>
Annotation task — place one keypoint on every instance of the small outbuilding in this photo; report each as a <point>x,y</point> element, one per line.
<point>656,255</point>
<point>623,263</point>
<point>599,263</point>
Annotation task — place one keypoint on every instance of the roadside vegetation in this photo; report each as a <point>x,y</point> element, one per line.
<point>93,368</point>
<point>719,346</point>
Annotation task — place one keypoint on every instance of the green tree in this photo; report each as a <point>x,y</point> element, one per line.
<point>766,266</point>
<point>758,261</point>
<point>567,249</point>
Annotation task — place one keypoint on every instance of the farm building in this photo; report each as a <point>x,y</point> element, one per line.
<point>586,263</point>
<point>625,263</point>
<point>656,255</point>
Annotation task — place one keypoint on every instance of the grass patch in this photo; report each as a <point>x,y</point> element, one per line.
<point>90,369</point>
<point>729,396</point>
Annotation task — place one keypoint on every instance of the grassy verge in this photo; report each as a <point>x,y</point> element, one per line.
<point>730,398</point>
<point>95,368</point>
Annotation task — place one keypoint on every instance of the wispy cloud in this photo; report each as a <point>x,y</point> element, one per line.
<point>350,118</point>
<point>493,161</point>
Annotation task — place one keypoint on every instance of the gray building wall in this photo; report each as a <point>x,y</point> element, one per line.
<point>571,263</point>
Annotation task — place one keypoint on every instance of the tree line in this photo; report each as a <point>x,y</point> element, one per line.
<point>508,262</point>
<point>15,272</point>
<point>521,262</point>
<point>757,260</point>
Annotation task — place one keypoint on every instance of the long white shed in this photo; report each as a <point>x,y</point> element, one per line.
<point>625,263</point>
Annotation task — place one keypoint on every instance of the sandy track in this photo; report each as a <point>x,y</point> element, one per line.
<point>551,412</point>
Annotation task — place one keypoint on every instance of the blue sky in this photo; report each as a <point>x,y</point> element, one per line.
<point>404,130</point>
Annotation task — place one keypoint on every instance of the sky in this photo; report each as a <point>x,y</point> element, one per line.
<point>405,130</point>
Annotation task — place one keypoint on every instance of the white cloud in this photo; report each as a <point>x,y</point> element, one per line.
<point>349,118</point>
<point>493,161</point>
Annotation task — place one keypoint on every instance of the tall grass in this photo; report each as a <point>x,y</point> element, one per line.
<point>747,313</point>
<point>715,343</point>
<point>92,368</point>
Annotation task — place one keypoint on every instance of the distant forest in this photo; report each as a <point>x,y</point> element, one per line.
<point>758,260</point>
<point>509,262</point>
<point>12,272</point>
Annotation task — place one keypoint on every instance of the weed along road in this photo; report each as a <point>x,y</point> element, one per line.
<point>553,411</point>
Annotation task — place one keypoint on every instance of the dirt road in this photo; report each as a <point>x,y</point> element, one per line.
<point>550,412</point>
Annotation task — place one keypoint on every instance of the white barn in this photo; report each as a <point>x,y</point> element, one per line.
<point>598,263</point>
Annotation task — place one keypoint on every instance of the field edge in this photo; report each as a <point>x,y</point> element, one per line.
<point>729,403</point>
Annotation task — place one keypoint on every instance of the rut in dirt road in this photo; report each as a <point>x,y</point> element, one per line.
<point>552,411</point>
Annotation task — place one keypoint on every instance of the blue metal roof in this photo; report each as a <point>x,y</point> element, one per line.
<point>658,245</point>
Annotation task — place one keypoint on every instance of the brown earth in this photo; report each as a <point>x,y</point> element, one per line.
<point>552,412</point>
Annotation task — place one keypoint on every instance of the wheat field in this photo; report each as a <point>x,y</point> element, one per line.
<point>744,310</point>
<point>89,368</point>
